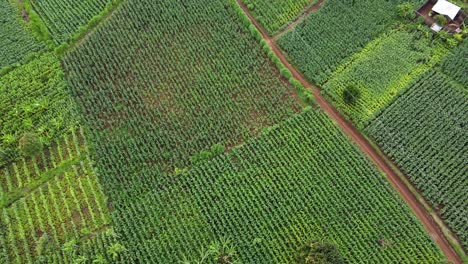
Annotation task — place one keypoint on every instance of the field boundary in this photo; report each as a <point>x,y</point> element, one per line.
<point>299,19</point>
<point>429,219</point>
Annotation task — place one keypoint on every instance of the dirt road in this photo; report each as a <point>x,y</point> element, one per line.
<point>366,147</point>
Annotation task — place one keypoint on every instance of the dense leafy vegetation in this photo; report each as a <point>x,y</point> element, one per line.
<point>330,35</point>
<point>64,19</point>
<point>61,200</point>
<point>382,70</point>
<point>454,65</point>
<point>16,40</point>
<point>424,131</point>
<point>35,100</point>
<point>275,15</point>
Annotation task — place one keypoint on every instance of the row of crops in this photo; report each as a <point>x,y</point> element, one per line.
<point>51,199</point>
<point>16,40</point>
<point>64,19</point>
<point>34,99</point>
<point>327,37</point>
<point>424,132</point>
<point>300,181</point>
<point>277,14</point>
<point>454,65</point>
<point>210,87</point>
<point>381,71</point>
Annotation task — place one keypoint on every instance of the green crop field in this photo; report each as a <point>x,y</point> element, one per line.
<point>64,19</point>
<point>34,99</point>
<point>277,14</point>
<point>50,199</point>
<point>424,132</point>
<point>379,75</point>
<point>16,40</point>
<point>173,131</point>
<point>332,34</point>
<point>302,180</point>
<point>172,110</point>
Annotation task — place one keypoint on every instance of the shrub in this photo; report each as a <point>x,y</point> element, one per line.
<point>319,252</point>
<point>29,145</point>
<point>351,95</point>
<point>406,10</point>
<point>440,20</point>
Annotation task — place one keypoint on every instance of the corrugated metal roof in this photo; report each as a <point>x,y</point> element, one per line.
<point>446,8</point>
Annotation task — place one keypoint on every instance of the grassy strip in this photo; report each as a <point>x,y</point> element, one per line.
<point>35,23</point>
<point>8,199</point>
<point>304,95</point>
<point>449,235</point>
<point>82,32</point>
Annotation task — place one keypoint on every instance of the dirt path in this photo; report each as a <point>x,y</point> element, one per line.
<point>299,19</point>
<point>366,147</point>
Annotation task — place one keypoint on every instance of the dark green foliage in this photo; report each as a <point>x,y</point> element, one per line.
<point>64,19</point>
<point>407,10</point>
<point>29,145</point>
<point>16,40</point>
<point>351,95</point>
<point>319,252</point>
<point>440,20</point>
<point>454,65</point>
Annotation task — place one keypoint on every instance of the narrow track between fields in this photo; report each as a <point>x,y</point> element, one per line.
<point>366,147</point>
<point>299,19</point>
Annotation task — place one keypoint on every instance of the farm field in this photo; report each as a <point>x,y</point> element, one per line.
<point>302,180</point>
<point>423,132</point>
<point>327,37</point>
<point>16,40</point>
<point>64,19</point>
<point>34,99</point>
<point>379,75</point>
<point>277,14</point>
<point>194,100</point>
<point>50,199</point>
<point>231,131</point>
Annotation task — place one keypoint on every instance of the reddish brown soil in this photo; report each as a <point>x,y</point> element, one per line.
<point>299,19</point>
<point>367,148</point>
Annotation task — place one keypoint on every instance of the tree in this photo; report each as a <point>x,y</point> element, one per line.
<point>440,20</point>
<point>351,95</point>
<point>319,252</point>
<point>406,10</point>
<point>29,145</point>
